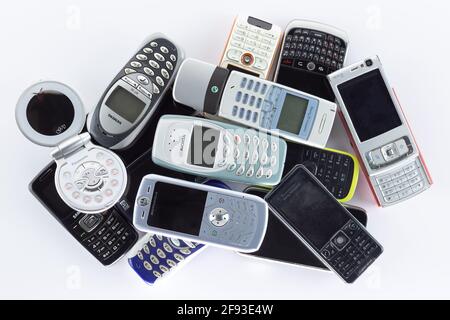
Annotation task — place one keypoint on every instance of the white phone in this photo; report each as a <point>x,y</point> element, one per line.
<point>255,103</point>
<point>218,150</point>
<point>380,132</point>
<point>200,213</point>
<point>252,47</point>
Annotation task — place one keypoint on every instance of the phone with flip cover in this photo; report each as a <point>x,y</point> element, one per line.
<point>107,236</point>
<point>200,213</point>
<point>337,170</point>
<point>281,245</point>
<point>310,51</point>
<point>88,178</point>
<point>252,47</point>
<point>332,234</point>
<point>135,93</point>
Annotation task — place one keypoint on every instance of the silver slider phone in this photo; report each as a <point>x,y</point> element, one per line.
<point>379,132</point>
<point>200,213</point>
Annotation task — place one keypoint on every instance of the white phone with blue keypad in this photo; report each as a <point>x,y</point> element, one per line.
<point>218,150</point>
<point>245,99</point>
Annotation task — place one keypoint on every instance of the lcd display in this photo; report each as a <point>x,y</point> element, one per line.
<point>308,208</point>
<point>292,113</point>
<point>203,146</point>
<point>369,105</point>
<point>177,208</point>
<point>125,104</point>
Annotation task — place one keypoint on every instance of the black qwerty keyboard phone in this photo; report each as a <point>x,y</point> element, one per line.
<point>310,52</point>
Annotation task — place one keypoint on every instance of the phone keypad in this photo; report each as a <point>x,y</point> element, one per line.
<point>251,46</point>
<point>155,62</point>
<point>402,183</point>
<point>313,51</point>
<point>107,237</point>
<point>334,170</point>
<point>351,250</point>
<point>251,155</point>
<point>159,255</point>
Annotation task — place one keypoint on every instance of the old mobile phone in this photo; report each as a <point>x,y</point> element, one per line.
<point>200,213</point>
<point>218,150</point>
<point>379,132</point>
<point>337,170</point>
<point>312,214</point>
<point>254,102</point>
<point>281,245</point>
<point>134,94</point>
<point>155,256</point>
<point>107,236</point>
<point>89,178</point>
<point>310,51</point>
<point>252,47</point>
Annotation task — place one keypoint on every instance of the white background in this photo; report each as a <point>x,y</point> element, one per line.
<point>85,43</point>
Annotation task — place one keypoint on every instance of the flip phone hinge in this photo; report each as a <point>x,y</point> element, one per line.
<point>71,145</point>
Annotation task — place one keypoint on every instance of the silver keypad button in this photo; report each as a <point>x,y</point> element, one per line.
<point>164,73</point>
<point>129,71</point>
<point>143,80</point>
<point>164,49</point>
<point>159,57</point>
<point>169,65</point>
<point>173,57</point>
<point>148,50</point>
<point>160,81</point>
<point>154,64</point>
<point>141,57</point>
<point>155,89</point>
<point>136,64</point>
<point>153,44</point>
<point>149,71</point>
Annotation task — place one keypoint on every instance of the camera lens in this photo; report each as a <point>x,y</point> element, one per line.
<point>369,63</point>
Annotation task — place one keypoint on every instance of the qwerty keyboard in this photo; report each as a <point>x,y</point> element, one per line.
<point>314,51</point>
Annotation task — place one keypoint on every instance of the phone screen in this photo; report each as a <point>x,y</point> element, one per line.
<point>308,208</point>
<point>177,208</point>
<point>203,146</point>
<point>369,105</point>
<point>125,104</point>
<point>292,113</point>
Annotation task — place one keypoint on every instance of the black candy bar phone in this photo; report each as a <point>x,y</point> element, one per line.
<point>106,236</point>
<point>312,214</point>
<point>310,51</point>
<point>337,170</point>
<point>281,245</point>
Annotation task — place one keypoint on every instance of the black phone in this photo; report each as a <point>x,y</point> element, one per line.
<point>281,245</point>
<point>327,228</point>
<point>107,236</point>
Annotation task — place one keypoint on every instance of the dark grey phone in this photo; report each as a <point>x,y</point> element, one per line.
<point>281,245</point>
<point>311,212</point>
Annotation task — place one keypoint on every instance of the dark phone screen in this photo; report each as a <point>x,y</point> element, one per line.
<point>282,245</point>
<point>369,105</point>
<point>177,208</point>
<point>308,208</point>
